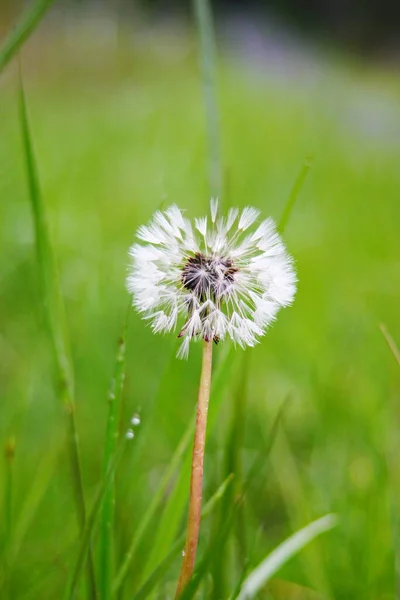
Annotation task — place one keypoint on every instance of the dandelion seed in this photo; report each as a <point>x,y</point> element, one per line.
<point>215,279</point>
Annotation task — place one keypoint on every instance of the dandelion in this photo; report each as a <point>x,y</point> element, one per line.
<point>219,277</point>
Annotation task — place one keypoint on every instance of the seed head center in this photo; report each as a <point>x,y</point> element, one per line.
<point>208,277</point>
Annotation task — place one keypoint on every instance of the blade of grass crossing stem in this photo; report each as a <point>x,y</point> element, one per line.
<point>20,33</point>
<point>207,51</point>
<point>211,556</point>
<point>174,552</point>
<point>172,517</point>
<point>108,508</point>
<point>298,184</point>
<point>55,317</point>
<point>92,520</point>
<point>174,465</point>
<point>177,501</point>
<point>284,552</point>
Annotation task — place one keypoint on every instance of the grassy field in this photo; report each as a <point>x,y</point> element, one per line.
<point>117,131</point>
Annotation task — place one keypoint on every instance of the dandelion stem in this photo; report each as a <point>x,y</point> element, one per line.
<point>196,481</point>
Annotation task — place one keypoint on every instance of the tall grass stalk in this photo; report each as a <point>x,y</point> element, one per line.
<point>207,51</point>
<point>196,481</point>
<point>91,521</point>
<point>295,191</point>
<point>108,508</point>
<point>25,26</point>
<point>55,319</point>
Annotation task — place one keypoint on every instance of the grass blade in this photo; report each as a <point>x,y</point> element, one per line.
<point>394,513</point>
<point>391,343</point>
<point>211,555</point>
<point>395,527</point>
<point>92,519</point>
<point>172,516</point>
<point>54,317</point>
<point>9,455</point>
<point>207,52</point>
<point>45,472</point>
<point>154,505</point>
<point>149,585</point>
<point>259,461</point>
<point>253,474</point>
<point>296,496</point>
<point>25,26</point>
<point>233,464</point>
<point>108,508</point>
<point>54,311</point>
<point>274,561</point>
<point>298,184</point>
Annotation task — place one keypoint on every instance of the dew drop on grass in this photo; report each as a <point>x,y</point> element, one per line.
<point>135,420</point>
<point>183,553</point>
<point>129,434</point>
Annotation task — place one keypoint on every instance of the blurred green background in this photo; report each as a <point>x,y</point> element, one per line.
<point>118,126</point>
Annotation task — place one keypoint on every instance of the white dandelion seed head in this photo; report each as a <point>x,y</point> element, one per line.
<point>217,278</point>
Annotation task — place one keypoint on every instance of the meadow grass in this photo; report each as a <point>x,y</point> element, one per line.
<point>117,130</point>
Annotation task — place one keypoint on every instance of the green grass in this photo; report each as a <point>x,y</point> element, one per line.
<point>119,129</point>
<point>21,31</point>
